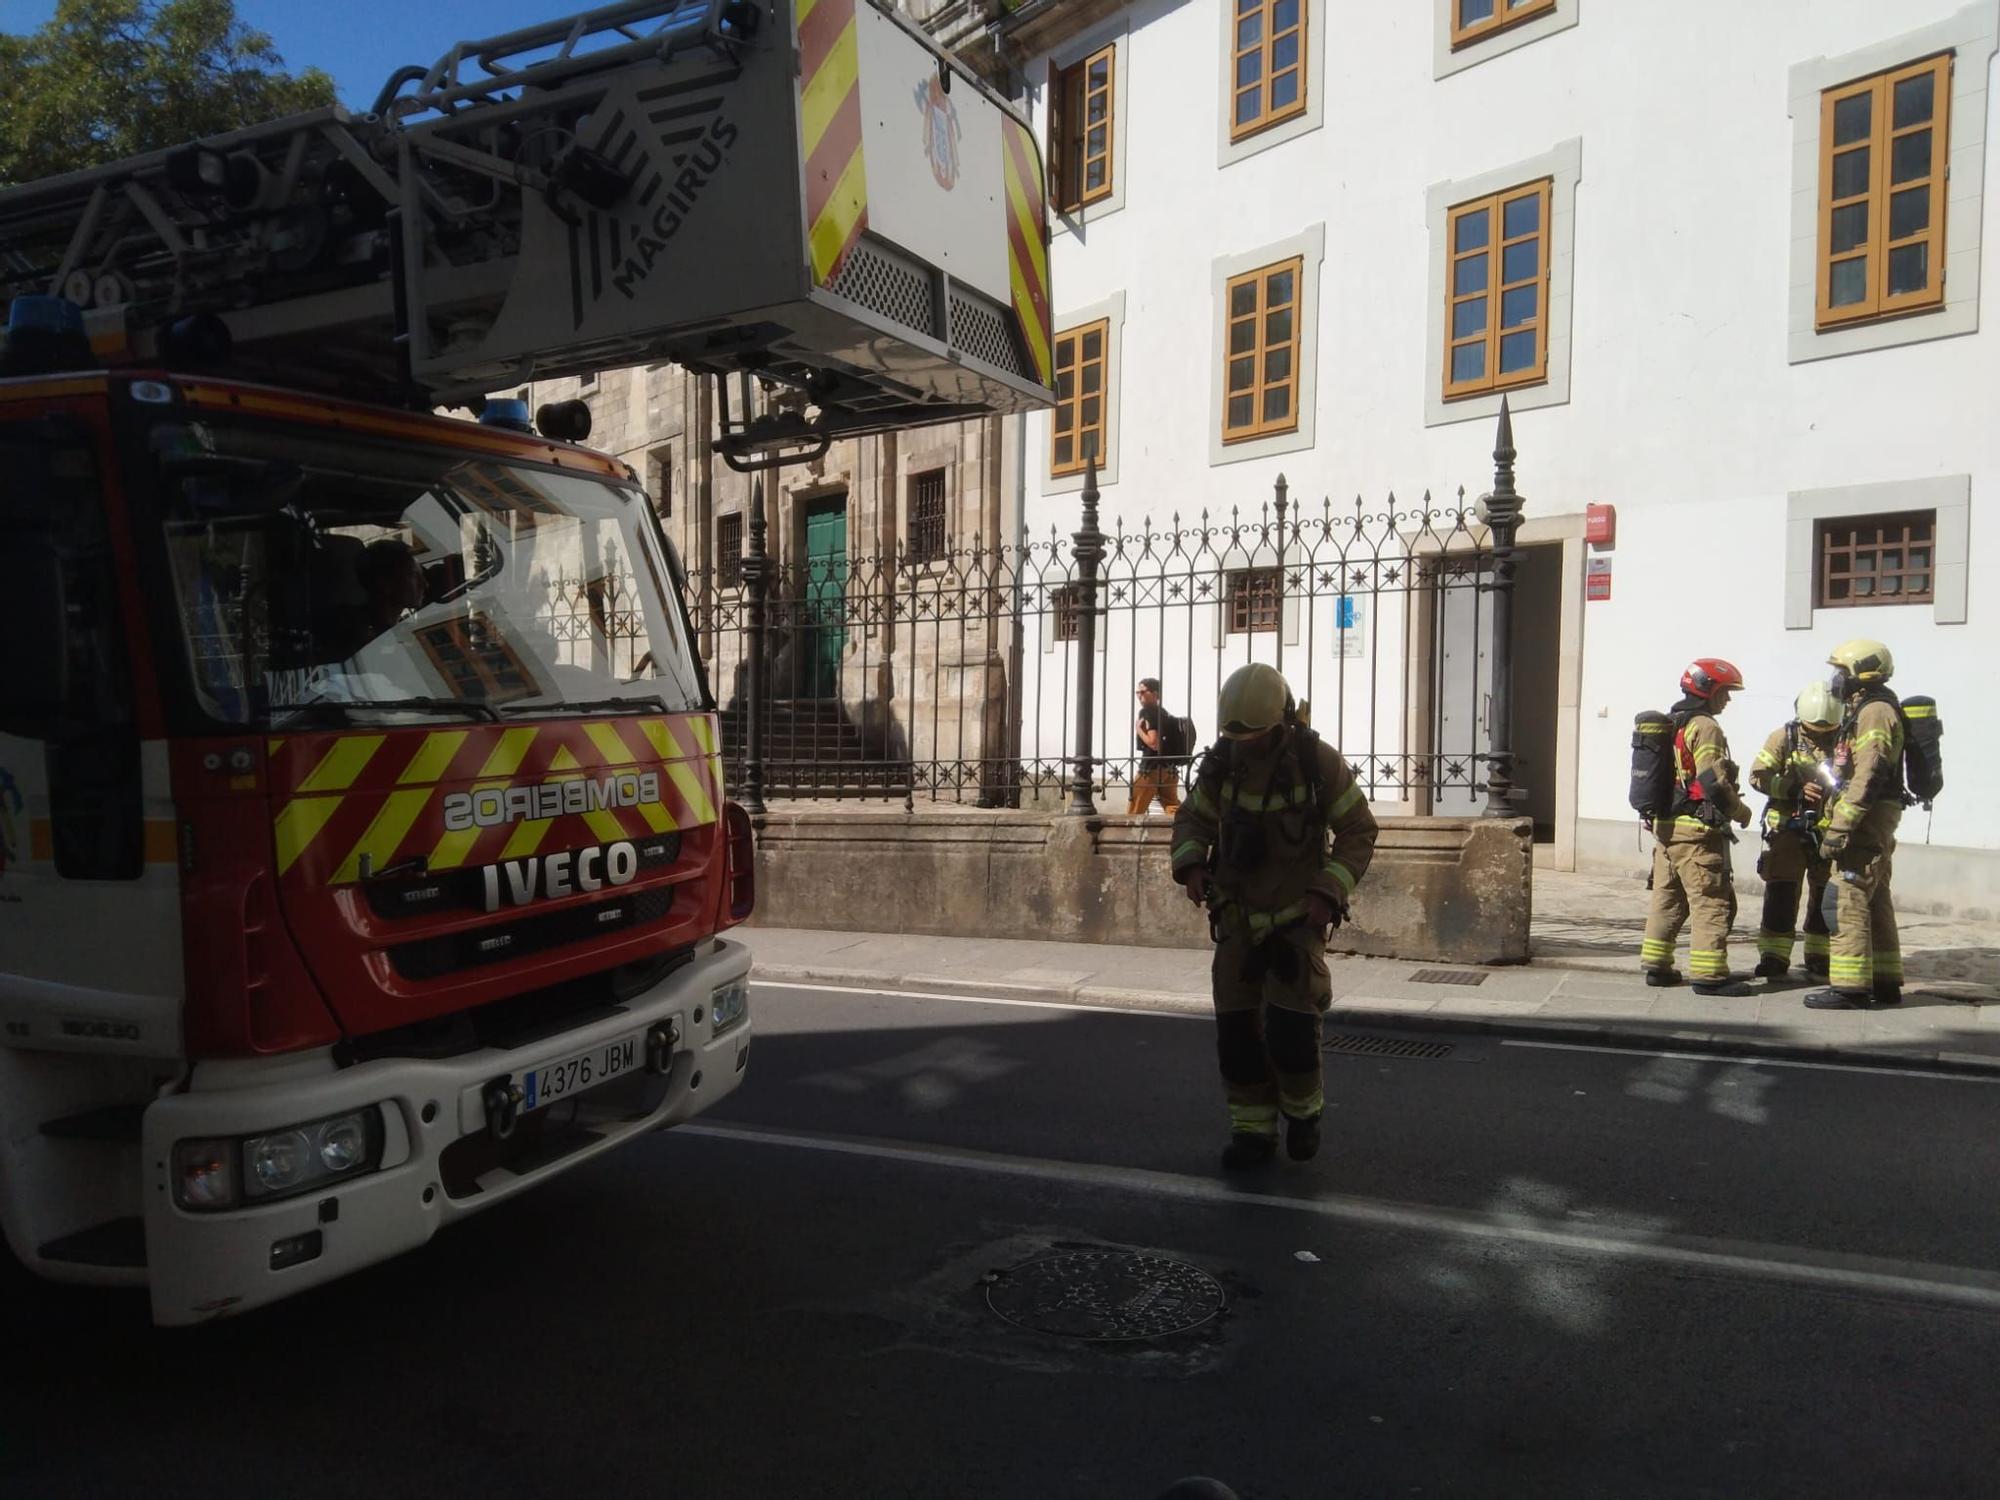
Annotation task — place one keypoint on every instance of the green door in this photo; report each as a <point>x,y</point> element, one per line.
<point>826,595</point>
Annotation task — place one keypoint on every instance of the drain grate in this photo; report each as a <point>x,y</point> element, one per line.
<point>1447,976</point>
<point>1384,1046</point>
<point>1105,1295</point>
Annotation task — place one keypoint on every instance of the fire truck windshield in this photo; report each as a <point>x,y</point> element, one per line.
<point>318,573</point>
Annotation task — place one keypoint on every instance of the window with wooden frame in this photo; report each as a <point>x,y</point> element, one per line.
<point>1083,105</point>
<point>927,516</point>
<point>1261,389</point>
<point>1252,601</point>
<point>1475,20</point>
<point>1065,601</point>
<point>1497,292</point>
<point>1269,72</point>
<point>1883,151</point>
<point>1076,429</point>
<point>729,550</point>
<point>1876,560</point>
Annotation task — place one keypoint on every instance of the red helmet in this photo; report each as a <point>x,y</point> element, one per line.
<point>1707,673</point>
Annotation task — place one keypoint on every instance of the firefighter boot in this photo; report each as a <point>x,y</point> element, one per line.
<point>1728,989</point>
<point>1770,966</point>
<point>1887,994</point>
<point>1661,979</point>
<point>1246,1150</point>
<point>1838,1000</point>
<point>1301,1137</point>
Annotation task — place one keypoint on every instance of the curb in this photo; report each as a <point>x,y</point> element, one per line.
<point>1637,1037</point>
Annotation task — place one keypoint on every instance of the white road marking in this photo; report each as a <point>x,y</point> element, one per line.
<point>1962,1286</point>
<point>1752,1060</point>
<point>848,989</point>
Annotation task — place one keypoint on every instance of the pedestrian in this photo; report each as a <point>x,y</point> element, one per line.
<point>1794,771</point>
<point>1252,844</point>
<point>1866,963</point>
<point>1159,773</point>
<point>1691,865</point>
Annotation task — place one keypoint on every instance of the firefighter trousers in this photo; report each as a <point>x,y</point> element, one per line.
<point>1867,952</point>
<point>1788,869</point>
<point>1691,880</point>
<point>1269,998</point>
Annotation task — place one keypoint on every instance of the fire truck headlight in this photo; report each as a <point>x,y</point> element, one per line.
<point>230,1173</point>
<point>303,1157</point>
<point>205,1174</point>
<point>728,1004</point>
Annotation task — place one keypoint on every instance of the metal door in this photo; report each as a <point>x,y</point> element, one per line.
<point>826,596</point>
<point>1462,711</point>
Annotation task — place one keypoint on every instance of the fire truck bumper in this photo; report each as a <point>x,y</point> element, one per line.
<point>441,1138</point>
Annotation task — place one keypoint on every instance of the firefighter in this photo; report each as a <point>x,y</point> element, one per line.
<point>1866,964</point>
<point>1691,873</point>
<point>1793,770</point>
<point>1251,843</point>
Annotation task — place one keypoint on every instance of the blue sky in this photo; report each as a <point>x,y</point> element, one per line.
<point>359,42</point>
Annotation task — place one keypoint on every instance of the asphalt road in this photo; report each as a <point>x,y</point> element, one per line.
<point>1516,1270</point>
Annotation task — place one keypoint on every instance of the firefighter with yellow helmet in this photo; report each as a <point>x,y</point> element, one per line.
<point>1866,962</point>
<point>1794,771</point>
<point>1273,839</point>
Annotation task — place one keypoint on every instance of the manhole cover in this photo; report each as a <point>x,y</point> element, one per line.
<point>1447,976</point>
<point>1105,1295</point>
<point>1384,1046</point>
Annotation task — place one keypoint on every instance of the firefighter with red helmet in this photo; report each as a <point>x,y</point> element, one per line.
<point>1691,874</point>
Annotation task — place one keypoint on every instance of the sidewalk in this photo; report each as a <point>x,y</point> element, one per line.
<point>1583,986</point>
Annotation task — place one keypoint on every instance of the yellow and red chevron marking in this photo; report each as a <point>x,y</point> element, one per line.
<point>343,797</point>
<point>830,133</point>
<point>1028,245</point>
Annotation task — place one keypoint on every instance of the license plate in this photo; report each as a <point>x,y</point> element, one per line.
<point>548,1085</point>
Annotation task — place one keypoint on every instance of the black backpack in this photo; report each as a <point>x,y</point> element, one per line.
<point>1177,736</point>
<point>1655,764</point>
<point>1923,752</point>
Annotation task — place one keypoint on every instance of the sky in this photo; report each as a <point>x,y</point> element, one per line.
<point>359,42</point>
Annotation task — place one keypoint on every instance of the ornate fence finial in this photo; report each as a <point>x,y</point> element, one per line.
<point>756,593</point>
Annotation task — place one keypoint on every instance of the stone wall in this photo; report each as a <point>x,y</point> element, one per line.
<point>1455,890</point>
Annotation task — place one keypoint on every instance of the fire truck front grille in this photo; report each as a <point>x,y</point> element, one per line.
<point>465,890</point>
<point>433,958</point>
<point>889,285</point>
<point>982,331</point>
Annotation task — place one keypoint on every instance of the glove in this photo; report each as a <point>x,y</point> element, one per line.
<point>1742,816</point>
<point>1196,885</point>
<point>1323,912</point>
<point>1832,842</point>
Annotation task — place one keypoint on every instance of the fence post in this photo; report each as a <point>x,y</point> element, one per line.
<point>756,589</point>
<point>1283,490</point>
<point>1503,518</point>
<point>1088,552</point>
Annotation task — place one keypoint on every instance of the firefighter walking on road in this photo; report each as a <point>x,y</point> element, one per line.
<point>1691,866</point>
<point>1866,965</point>
<point>1794,771</point>
<point>1252,843</point>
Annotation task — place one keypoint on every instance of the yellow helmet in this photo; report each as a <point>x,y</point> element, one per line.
<point>1817,707</point>
<point>1860,663</point>
<point>1254,699</point>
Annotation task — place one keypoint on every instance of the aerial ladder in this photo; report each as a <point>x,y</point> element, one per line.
<point>808,191</point>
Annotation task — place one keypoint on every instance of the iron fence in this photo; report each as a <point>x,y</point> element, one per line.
<point>1004,675</point>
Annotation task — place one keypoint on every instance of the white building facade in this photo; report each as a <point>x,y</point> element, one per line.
<point>1725,261</point>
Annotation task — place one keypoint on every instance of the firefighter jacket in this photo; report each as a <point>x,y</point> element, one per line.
<point>1266,817</point>
<point>1704,765</point>
<point>1870,805</point>
<point>1789,761</point>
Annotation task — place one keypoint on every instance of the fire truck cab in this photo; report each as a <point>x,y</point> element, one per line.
<point>365,857</point>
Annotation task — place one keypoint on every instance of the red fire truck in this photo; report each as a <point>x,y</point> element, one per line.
<point>364,852</point>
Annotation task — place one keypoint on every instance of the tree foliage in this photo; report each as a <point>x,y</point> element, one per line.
<point>108,78</point>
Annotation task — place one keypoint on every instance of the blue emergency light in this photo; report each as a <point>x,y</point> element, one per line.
<point>509,412</point>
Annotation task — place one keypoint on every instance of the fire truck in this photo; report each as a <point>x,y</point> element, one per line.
<point>365,858</point>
